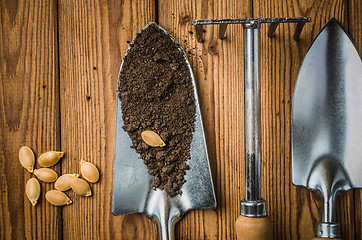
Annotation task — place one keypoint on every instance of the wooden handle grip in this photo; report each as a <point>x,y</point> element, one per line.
<point>318,238</point>
<point>248,228</point>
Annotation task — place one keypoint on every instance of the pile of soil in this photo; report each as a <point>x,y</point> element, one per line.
<point>157,94</point>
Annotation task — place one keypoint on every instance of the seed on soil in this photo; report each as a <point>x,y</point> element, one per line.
<point>81,187</point>
<point>63,182</point>
<point>89,171</point>
<point>157,93</point>
<point>27,158</point>
<point>57,198</point>
<point>32,190</point>
<point>152,139</point>
<point>46,174</point>
<point>50,158</point>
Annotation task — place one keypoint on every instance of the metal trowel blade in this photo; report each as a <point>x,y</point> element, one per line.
<point>327,114</point>
<point>132,184</point>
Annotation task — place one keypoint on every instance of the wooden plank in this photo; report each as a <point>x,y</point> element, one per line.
<point>218,69</point>
<point>355,31</point>
<point>294,210</point>
<point>93,38</point>
<point>29,113</point>
<point>358,213</point>
<point>95,34</point>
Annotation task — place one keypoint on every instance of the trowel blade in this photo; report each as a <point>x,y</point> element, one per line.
<point>132,184</point>
<point>327,111</point>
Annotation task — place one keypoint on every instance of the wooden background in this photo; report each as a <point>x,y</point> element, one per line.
<point>59,62</point>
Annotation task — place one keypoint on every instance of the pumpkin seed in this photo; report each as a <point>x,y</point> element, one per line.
<point>89,171</point>
<point>63,182</point>
<point>152,139</point>
<point>46,174</point>
<point>50,158</point>
<point>57,198</point>
<point>27,158</point>
<point>32,190</point>
<point>81,187</point>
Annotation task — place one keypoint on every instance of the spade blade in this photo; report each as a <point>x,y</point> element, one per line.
<point>132,184</point>
<point>327,113</point>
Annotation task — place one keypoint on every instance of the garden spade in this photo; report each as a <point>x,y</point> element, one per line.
<point>326,122</point>
<point>132,184</point>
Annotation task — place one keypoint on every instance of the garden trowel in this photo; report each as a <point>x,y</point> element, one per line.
<point>327,122</point>
<point>132,183</point>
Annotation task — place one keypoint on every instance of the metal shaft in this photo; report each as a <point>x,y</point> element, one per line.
<point>327,228</point>
<point>165,215</point>
<point>252,111</point>
<point>328,210</point>
<point>252,205</point>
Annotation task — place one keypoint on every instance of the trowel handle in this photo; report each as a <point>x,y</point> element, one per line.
<point>166,219</point>
<point>166,232</point>
<point>250,228</point>
<point>166,227</point>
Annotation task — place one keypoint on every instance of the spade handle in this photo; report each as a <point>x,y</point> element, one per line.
<point>166,229</point>
<point>166,215</point>
<point>166,224</point>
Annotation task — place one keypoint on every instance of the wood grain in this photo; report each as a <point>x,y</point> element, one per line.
<point>69,104</point>
<point>218,69</point>
<point>358,213</point>
<point>93,38</point>
<point>29,113</point>
<point>253,228</point>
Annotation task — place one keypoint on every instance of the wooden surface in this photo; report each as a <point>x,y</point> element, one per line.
<point>59,62</point>
<point>29,113</point>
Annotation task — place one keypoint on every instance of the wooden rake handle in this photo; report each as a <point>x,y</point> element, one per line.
<point>248,228</point>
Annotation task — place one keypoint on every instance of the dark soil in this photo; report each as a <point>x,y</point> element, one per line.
<point>157,94</point>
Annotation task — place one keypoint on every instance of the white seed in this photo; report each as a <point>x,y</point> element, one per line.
<point>27,158</point>
<point>49,159</point>
<point>63,182</point>
<point>32,190</point>
<point>81,187</point>
<point>46,174</point>
<point>89,171</point>
<point>57,198</point>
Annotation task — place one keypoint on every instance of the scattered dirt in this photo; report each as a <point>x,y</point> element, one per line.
<point>157,94</point>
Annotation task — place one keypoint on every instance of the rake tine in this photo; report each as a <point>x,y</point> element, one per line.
<point>298,30</point>
<point>199,33</point>
<point>222,30</point>
<point>272,27</point>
